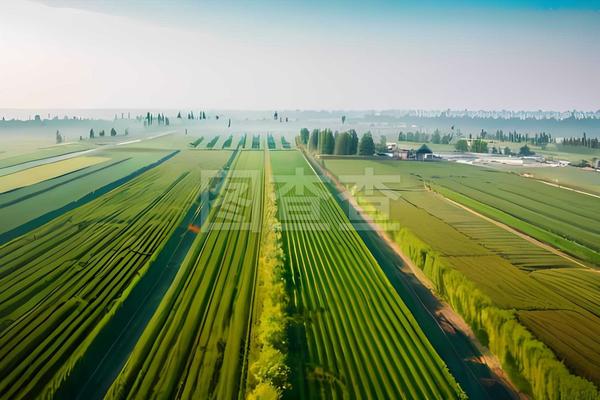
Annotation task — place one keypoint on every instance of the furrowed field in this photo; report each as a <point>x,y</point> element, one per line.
<point>61,282</point>
<point>504,286</point>
<point>29,207</point>
<point>200,331</point>
<point>220,264</point>
<point>356,336</point>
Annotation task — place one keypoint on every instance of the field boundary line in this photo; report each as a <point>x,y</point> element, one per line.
<point>565,187</point>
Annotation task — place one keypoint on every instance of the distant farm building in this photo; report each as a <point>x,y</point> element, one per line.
<point>424,153</point>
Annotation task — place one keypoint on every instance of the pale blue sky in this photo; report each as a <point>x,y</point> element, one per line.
<point>282,54</point>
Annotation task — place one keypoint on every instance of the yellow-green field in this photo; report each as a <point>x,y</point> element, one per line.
<point>41,173</point>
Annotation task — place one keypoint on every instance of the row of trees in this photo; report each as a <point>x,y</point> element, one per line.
<point>341,143</point>
<point>481,146</point>
<point>160,119</point>
<point>102,133</point>
<point>539,139</point>
<point>190,115</point>
<point>583,141</point>
<point>476,146</point>
<point>436,137</point>
<point>545,376</point>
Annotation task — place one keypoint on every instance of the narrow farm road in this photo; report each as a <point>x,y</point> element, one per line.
<point>567,188</point>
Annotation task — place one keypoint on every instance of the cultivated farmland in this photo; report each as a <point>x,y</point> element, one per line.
<point>30,207</point>
<point>62,282</point>
<point>486,272</point>
<point>356,336</point>
<point>200,331</point>
<point>35,175</point>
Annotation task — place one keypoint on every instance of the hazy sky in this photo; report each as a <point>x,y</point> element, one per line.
<point>283,54</point>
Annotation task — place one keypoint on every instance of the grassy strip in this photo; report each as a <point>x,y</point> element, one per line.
<point>212,142</point>
<point>268,373</point>
<point>72,176</point>
<point>197,142</point>
<point>41,173</point>
<point>227,142</point>
<point>531,365</point>
<point>559,242</point>
<point>49,216</point>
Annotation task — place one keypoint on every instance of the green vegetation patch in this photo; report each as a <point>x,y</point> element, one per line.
<point>353,336</point>
<point>61,282</point>
<point>200,331</point>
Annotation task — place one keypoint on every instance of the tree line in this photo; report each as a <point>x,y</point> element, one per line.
<point>583,141</point>
<point>324,141</point>
<point>160,119</point>
<point>539,139</point>
<point>436,138</point>
<point>102,133</point>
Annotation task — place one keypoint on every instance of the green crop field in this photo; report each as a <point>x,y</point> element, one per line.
<point>555,327</point>
<point>562,218</point>
<point>357,338</point>
<point>281,200</point>
<point>61,282</point>
<point>34,175</point>
<point>512,282</point>
<point>200,330</point>
<point>23,205</point>
<point>581,286</point>
<point>9,159</point>
<point>570,177</point>
<point>271,291</point>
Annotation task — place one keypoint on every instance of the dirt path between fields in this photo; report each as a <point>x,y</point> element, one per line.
<point>445,313</point>
<point>520,234</point>
<point>566,188</point>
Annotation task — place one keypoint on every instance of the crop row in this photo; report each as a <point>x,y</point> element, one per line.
<point>581,286</point>
<point>199,334</point>
<point>482,271</point>
<point>212,142</point>
<point>62,282</point>
<point>519,252</point>
<point>556,327</point>
<point>271,142</point>
<point>197,142</point>
<point>356,337</point>
<point>28,208</point>
<point>227,142</point>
